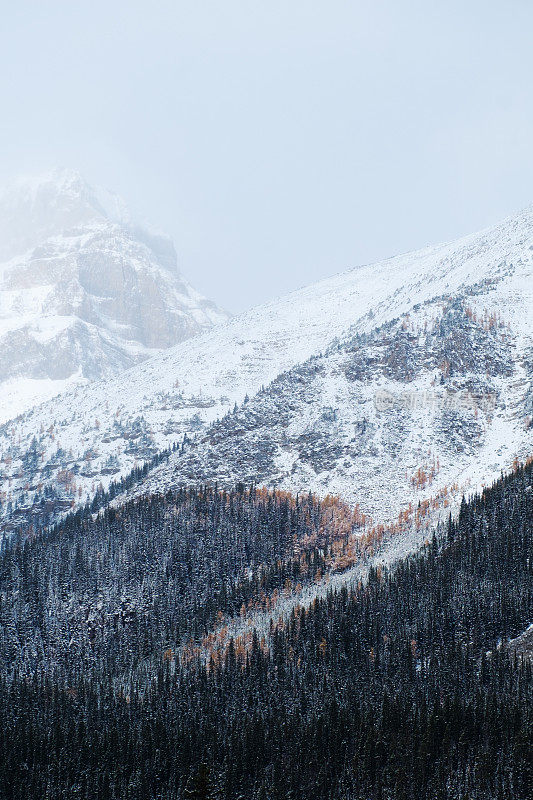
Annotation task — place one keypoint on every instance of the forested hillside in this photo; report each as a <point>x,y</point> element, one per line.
<point>401,687</point>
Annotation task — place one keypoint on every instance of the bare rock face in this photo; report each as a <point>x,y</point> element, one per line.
<point>85,291</point>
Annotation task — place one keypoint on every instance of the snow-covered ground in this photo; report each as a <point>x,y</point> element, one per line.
<point>185,388</point>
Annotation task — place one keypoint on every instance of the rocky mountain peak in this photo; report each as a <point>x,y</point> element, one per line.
<point>85,289</point>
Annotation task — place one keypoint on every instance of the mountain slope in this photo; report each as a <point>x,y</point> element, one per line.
<point>85,291</point>
<point>422,406</point>
<point>93,434</point>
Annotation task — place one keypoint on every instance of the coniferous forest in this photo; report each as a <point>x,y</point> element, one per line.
<point>409,684</point>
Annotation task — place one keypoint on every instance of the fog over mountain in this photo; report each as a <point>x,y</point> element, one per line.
<point>86,290</point>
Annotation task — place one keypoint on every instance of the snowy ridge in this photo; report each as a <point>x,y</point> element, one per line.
<point>421,407</point>
<point>99,432</point>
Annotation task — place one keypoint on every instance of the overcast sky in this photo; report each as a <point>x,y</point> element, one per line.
<point>280,141</point>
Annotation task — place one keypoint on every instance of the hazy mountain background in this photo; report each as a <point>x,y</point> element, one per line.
<point>86,291</point>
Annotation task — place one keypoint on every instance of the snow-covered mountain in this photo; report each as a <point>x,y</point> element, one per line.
<point>85,290</point>
<point>426,406</point>
<point>388,384</point>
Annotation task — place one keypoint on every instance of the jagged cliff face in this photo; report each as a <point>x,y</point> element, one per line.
<point>387,384</point>
<point>85,292</point>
